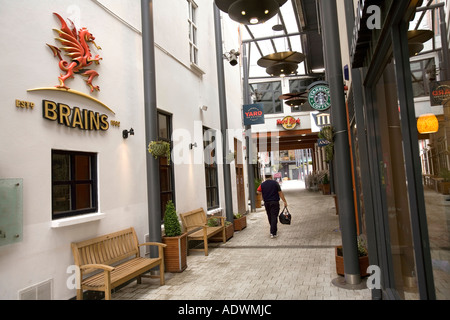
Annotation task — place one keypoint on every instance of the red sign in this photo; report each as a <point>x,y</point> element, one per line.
<point>76,45</point>
<point>288,122</point>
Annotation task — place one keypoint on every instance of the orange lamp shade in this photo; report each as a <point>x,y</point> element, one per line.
<point>427,123</point>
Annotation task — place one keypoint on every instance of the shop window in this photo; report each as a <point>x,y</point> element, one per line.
<point>74,183</point>
<point>297,86</point>
<point>422,72</point>
<point>268,93</point>
<point>192,20</point>
<point>211,178</point>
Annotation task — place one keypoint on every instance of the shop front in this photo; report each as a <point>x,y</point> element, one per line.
<point>403,219</point>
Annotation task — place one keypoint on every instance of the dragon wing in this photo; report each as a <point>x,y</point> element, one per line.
<point>69,39</point>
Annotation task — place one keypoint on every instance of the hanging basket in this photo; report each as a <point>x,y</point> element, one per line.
<point>159,149</point>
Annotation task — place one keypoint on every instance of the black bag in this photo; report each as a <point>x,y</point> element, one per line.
<point>285,216</point>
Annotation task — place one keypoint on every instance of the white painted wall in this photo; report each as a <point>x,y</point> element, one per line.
<point>27,138</point>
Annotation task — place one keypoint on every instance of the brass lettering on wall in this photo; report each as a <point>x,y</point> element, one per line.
<point>74,117</point>
<point>24,104</point>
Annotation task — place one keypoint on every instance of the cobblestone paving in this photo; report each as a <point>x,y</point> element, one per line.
<point>298,265</point>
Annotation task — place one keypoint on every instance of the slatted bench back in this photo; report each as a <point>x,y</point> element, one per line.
<point>192,219</point>
<point>107,249</point>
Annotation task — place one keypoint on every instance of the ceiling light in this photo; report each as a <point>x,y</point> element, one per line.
<point>282,69</point>
<point>250,11</point>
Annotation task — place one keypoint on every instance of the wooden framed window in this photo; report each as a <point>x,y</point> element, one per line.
<point>192,20</point>
<point>211,177</point>
<point>74,183</point>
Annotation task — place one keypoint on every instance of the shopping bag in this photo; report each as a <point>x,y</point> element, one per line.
<point>285,216</point>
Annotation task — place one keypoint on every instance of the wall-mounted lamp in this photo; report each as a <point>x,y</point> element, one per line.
<point>232,57</point>
<point>192,145</point>
<point>125,133</point>
<point>204,108</point>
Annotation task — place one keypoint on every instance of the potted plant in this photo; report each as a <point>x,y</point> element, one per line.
<point>159,148</point>
<point>229,230</point>
<point>175,254</point>
<point>444,185</point>
<point>239,221</point>
<point>327,133</point>
<point>363,259</point>
<point>326,184</point>
<point>258,195</point>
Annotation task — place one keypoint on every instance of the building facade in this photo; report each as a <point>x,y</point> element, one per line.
<point>73,160</point>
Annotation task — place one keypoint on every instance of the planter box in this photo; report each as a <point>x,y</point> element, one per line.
<point>258,200</point>
<point>363,263</point>
<point>240,223</point>
<point>175,254</point>
<point>326,189</point>
<point>229,232</point>
<point>444,187</point>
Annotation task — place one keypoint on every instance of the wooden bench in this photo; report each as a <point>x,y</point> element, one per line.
<point>118,255</point>
<point>195,224</point>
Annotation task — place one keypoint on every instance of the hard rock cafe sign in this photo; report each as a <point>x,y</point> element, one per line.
<point>288,123</point>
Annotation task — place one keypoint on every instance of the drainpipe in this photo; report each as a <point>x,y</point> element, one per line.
<point>151,133</point>
<point>343,174</point>
<point>223,114</point>
<point>248,130</point>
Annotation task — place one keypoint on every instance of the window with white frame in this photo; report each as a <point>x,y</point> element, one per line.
<point>192,20</point>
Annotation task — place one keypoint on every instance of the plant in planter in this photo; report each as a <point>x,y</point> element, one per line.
<point>362,257</point>
<point>444,185</point>
<point>258,195</point>
<point>175,254</point>
<point>159,148</point>
<point>326,184</point>
<point>239,221</point>
<point>229,230</point>
<point>327,133</point>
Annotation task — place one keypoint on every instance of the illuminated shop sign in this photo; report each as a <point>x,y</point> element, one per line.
<point>288,123</point>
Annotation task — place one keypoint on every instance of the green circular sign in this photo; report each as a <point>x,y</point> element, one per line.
<point>319,97</point>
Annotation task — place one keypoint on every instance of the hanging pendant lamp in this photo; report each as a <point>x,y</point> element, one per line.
<point>296,102</point>
<point>281,64</point>
<point>427,123</point>
<point>250,11</point>
<point>282,69</point>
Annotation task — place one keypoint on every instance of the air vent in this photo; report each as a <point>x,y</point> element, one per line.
<point>40,291</point>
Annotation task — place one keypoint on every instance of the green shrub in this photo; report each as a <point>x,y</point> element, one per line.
<point>172,226</point>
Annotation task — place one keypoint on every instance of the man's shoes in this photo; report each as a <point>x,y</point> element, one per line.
<point>273,236</point>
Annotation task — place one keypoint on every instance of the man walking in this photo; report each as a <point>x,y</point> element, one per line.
<point>271,193</point>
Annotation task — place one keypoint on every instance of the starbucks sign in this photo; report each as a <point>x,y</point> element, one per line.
<point>319,97</point>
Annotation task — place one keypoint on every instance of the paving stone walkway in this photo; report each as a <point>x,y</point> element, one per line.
<point>298,265</point>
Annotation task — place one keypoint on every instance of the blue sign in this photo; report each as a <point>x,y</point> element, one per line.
<point>323,142</point>
<point>253,114</point>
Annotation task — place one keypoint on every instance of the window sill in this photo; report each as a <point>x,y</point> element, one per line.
<point>65,222</point>
<point>196,69</point>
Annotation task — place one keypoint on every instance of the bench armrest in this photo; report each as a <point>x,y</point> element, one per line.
<point>161,247</point>
<point>97,266</point>
<point>153,244</point>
